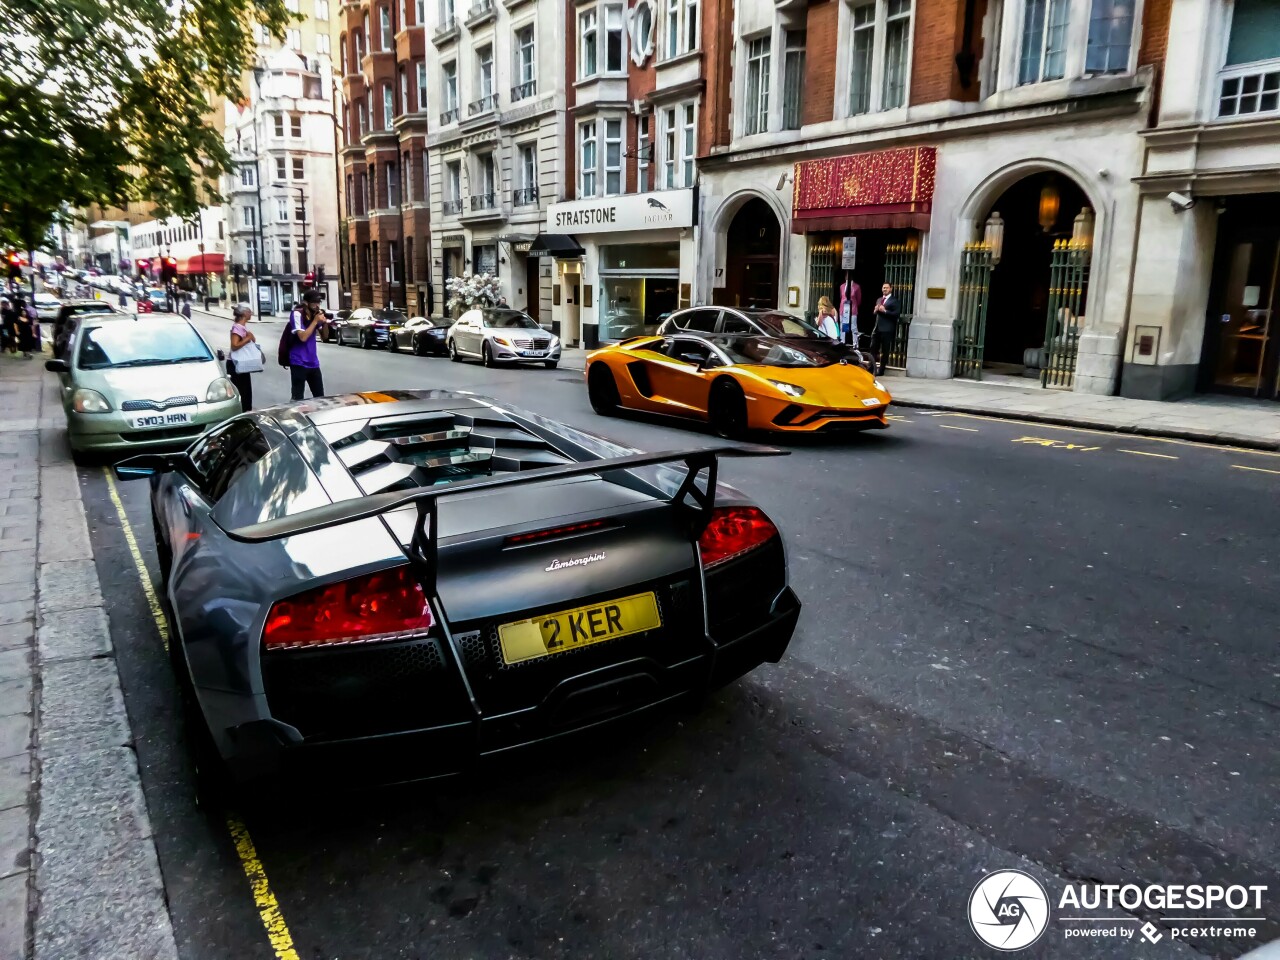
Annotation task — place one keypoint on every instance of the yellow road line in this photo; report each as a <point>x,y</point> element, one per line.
<point>1237,466</point>
<point>148,590</point>
<point>1117,434</point>
<point>263,898</point>
<point>947,426</point>
<point>1147,453</point>
<point>277,930</point>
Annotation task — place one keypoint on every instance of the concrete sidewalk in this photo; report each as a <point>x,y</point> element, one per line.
<point>79,874</point>
<point>1212,419</point>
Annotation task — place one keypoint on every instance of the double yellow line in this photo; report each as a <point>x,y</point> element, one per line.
<point>263,897</point>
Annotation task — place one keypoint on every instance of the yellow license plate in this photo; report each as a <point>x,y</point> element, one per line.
<point>580,627</point>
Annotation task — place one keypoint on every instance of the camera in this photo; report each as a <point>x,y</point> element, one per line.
<point>1181,202</point>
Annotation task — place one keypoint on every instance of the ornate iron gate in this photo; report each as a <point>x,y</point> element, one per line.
<point>1068,282</point>
<point>900,270</point>
<point>822,274</point>
<point>971,320</point>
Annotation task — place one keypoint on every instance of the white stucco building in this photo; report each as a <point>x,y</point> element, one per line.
<point>281,205</point>
<point>496,103</point>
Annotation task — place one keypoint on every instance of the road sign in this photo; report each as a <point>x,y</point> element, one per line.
<point>849,255</point>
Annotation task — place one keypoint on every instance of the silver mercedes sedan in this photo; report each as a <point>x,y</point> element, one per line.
<point>499,335</point>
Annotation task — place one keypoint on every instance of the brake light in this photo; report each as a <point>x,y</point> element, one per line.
<point>732,532</point>
<point>518,539</point>
<point>379,606</point>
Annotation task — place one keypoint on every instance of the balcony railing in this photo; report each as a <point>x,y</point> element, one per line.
<point>448,117</point>
<point>522,90</point>
<point>1249,90</point>
<point>525,196</point>
<point>483,201</point>
<point>483,105</point>
<point>446,31</point>
<point>479,13</point>
<point>452,207</point>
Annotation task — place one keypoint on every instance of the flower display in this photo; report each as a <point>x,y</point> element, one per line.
<point>472,290</point>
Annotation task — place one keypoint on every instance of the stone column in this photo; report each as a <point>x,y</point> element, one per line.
<point>1172,269</point>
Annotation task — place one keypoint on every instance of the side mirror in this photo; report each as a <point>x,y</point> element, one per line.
<point>57,366</point>
<point>145,465</point>
<point>222,354</point>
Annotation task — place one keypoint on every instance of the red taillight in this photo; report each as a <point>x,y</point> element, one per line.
<point>518,539</point>
<point>380,606</point>
<point>732,532</point>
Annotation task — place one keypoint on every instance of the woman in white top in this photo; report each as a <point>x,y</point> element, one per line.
<point>828,326</point>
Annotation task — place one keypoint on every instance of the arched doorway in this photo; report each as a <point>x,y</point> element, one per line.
<point>751,257</point>
<point>1039,256</point>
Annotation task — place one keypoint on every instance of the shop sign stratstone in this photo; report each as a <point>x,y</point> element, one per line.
<point>645,211</point>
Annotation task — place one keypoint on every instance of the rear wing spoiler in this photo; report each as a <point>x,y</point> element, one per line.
<point>422,547</point>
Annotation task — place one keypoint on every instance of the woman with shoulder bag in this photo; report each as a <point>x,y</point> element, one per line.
<point>245,357</point>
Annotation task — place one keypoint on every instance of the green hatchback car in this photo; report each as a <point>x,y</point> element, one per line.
<point>138,383</point>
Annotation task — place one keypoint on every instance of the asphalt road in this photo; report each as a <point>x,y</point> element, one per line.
<point>1022,647</point>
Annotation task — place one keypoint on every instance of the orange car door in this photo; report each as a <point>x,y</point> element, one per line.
<point>678,379</point>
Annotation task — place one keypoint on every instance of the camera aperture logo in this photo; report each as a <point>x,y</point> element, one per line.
<point>1009,910</point>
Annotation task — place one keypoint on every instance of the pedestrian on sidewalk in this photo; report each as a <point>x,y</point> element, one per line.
<point>850,304</point>
<point>25,326</point>
<point>885,332</point>
<point>304,359</point>
<point>245,358</point>
<point>8,327</point>
<point>828,324</point>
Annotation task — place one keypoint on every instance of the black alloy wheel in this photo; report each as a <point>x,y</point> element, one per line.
<point>602,391</point>
<point>727,410</point>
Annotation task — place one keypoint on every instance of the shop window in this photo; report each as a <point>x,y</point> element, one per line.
<point>485,258</point>
<point>1044,40</point>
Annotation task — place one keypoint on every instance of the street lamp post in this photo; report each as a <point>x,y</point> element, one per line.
<point>302,206</point>
<point>258,72</point>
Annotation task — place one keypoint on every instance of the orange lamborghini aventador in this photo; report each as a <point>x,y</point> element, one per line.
<point>738,383</point>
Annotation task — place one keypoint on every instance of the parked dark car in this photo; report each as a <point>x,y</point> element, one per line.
<point>369,328</point>
<point>421,336</point>
<point>64,326</point>
<point>392,585</point>
<point>329,332</point>
<point>768,323</point>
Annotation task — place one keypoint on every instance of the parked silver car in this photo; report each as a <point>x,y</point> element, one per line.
<point>131,383</point>
<point>500,335</point>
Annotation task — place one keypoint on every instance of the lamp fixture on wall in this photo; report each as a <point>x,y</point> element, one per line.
<point>784,179</point>
<point>993,235</point>
<point>1050,201</point>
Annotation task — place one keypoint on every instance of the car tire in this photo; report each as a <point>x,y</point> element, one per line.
<point>340,343</point>
<point>486,355</point>
<point>211,781</point>
<point>453,352</point>
<point>727,410</point>
<point>393,344</point>
<point>602,391</point>
<point>551,364</point>
<point>367,341</point>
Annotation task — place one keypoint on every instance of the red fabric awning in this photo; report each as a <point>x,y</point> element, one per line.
<point>204,263</point>
<point>868,191</point>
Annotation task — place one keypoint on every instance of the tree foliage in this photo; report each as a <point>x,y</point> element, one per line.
<point>108,101</point>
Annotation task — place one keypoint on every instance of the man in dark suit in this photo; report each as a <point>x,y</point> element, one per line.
<point>886,328</point>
